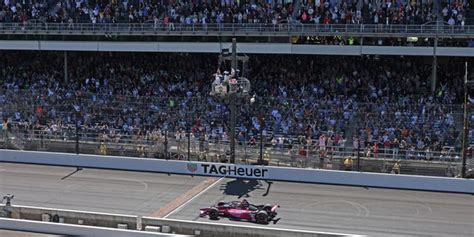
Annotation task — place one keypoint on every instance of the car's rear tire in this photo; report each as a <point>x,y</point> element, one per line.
<point>262,217</point>
<point>213,213</point>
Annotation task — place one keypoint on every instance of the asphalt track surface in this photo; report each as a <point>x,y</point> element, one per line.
<point>350,210</point>
<point>10,233</point>
<point>92,190</point>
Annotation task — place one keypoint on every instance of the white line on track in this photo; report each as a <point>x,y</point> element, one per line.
<point>191,199</point>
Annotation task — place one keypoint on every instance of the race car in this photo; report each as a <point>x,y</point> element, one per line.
<point>242,210</point>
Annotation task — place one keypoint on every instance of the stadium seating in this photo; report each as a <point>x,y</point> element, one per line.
<point>231,11</point>
<point>134,11</point>
<point>368,12</point>
<point>384,100</point>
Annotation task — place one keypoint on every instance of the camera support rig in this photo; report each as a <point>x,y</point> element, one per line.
<point>231,87</point>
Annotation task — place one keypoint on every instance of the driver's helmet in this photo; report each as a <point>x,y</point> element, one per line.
<point>245,203</point>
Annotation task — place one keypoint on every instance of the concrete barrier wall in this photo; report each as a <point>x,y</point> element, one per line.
<point>73,217</point>
<point>228,230</point>
<point>71,230</point>
<point>176,226</point>
<point>215,47</point>
<point>410,182</point>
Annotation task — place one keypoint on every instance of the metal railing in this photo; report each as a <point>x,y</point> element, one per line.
<point>166,145</point>
<point>236,29</point>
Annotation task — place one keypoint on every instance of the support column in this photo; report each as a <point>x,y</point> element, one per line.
<point>66,79</point>
<point>233,106</point>
<point>465,125</point>
<point>233,115</point>
<point>262,126</point>
<point>78,115</point>
<point>434,74</point>
<point>189,128</point>
<point>358,154</point>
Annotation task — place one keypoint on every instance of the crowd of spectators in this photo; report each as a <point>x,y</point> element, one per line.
<point>172,12</point>
<point>302,99</point>
<point>140,11</point>
<point>454,12</point>
<point>413,119</point>
<point>367,12</point>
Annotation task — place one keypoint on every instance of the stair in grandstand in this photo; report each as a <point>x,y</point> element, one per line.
<point>437,6</point>
<point>470,17</point>
<point>353,127</point>
<point>351,131</point>
<point>296,9</point>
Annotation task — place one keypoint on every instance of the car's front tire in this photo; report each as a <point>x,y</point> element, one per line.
<point>213,213</point>
<point>262,217</point>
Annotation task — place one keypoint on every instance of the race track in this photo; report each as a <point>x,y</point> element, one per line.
<point>339,209</point>
<point>353,210</point>
<point>92,190</point>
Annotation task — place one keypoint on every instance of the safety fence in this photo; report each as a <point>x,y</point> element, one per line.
<point>282,29</point>
<point>269,131</point>
<point>168,146</point>
<point>82,223</point>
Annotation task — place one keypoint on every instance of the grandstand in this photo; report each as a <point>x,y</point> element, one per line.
<point>380,104</point>
<point>338,111</point>
<point>245,12</point>
<point>308,103</point>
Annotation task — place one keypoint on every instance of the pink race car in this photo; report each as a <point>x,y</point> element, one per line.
<point>242,210</point>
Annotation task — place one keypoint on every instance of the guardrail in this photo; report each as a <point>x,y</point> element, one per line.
<point>71,218</point>
<point>434,163</point>
<point>295,154</point>
<point>73,230</point>
<point>237,29</point>
<point>115,138</point>
<point>347,178</point>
